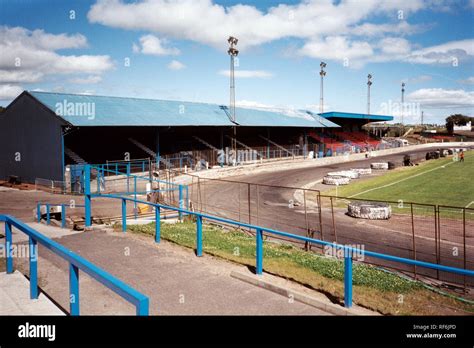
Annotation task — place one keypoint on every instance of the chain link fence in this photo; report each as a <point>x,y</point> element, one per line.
<point>424,232</point>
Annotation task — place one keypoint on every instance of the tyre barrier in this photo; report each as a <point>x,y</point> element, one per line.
<point>362,171</point>
<point>336,180</point>
<point>391,165</point>
<point>369,210</point>
<point>347,173</point>
<point>379,165</point>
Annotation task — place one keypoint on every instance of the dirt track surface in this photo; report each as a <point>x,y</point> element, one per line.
<point>269,207</point>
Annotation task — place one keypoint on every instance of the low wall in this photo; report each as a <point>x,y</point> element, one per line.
<point>262,167</point>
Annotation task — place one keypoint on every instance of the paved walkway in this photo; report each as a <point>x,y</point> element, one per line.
<point>176,281</point>
<point>15,297</point>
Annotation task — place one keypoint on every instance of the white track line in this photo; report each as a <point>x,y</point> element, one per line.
<point>399,181</point>
<point>467,206</point>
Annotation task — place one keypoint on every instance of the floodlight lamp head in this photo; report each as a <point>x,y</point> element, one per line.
<point>322,65</point>
<point>233,52</point>
<point>369,76</point>
<point>232,40</point>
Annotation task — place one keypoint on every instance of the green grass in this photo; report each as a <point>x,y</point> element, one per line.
<point>373,287</point>
<point>451,185</point>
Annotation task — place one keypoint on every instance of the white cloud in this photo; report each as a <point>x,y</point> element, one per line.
<point>442,98</point>
<point>176,65</point>
<point>206,22</point>
<point>469,80</point>
<point>247,73</point>
<point>337,48</point>
<point>19,76</point>
<point>150,44</point>
<point>29,56</point>
<point>9,92</point>
<point>394,46</point>
<point>87,80</point>
<point>445,53</point>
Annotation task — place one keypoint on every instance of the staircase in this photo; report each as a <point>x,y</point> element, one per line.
<point>74,156</point>
<point>202,141</point>
<point>150,152</point>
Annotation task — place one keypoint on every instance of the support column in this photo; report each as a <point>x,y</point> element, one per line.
<point>87,194</point>
<point>158,148</point>
<point>63,162</point>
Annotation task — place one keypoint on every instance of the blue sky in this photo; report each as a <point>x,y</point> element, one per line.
<point>177,50</point>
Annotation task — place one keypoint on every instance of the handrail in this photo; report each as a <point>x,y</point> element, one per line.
<point>76,263</point>
<point>348,250</point>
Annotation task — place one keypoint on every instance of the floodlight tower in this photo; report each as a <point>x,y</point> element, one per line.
<point>369,83</point>
<point>322,73</point>
<point>233,52</point>
<point>403,107</point>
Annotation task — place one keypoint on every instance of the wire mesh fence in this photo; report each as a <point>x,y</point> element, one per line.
<point>424,232</point>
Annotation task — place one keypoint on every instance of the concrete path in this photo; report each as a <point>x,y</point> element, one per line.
<point>15,297</point>
<point>176,281</point>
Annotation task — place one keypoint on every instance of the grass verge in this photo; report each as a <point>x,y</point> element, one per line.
<point>374,288</point>
<point>441,182</point>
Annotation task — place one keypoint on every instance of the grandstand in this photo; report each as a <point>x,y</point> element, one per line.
<point>53,130</point>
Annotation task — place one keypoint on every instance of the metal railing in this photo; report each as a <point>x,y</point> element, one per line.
<point>76,263</point>
<point>259,230</point>
<point>48,211</point>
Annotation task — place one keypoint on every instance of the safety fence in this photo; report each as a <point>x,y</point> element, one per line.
<point>76,263</point>
<point>51,186</point>
<point>430,233</point>
<point>259,231</point>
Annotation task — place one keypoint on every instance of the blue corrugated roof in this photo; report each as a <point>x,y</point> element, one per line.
<point>336,114</point>
<point>120,111</point>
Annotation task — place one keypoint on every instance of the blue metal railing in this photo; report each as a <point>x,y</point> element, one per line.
<point>76,263</point>
<point>48,211</point>
<point>348,250</point>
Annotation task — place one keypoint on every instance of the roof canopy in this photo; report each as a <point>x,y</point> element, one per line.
<point>362,117</point>
<point>97,111</point>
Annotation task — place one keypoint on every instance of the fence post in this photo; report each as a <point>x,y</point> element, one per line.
<point>157,224</point>
<point>143,307</point>
<point>135,197</point>
<point>38,212</point>
<point>73,289</point>
<point>8,246</point>
<point>128,177</point>
<point>413,238</point>
<point>33,268</point>
<point>199,235</point>
<point>180,202</point>
<point>63,216</point>
<point>464,242</point>
<point>124,215</point>
<point>259,252</point>
<point>347,278</point>
<point>48,217</point>
<point>87,194</point>
<point>187,197</point>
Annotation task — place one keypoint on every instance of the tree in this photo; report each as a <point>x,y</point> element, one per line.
<point>458,120</point>
<point>2,109</point>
